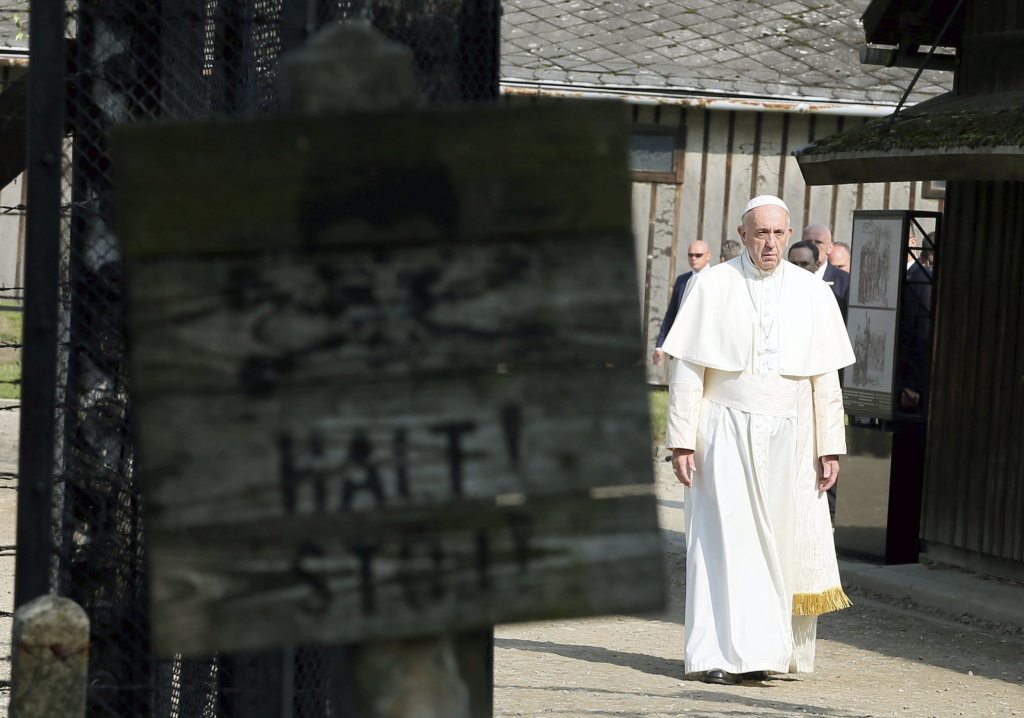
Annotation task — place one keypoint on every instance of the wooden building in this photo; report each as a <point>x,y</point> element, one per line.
<point>721,95</point>
<point>973,137</point>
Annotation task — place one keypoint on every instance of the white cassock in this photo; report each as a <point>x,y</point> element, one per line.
<point>755,392</point>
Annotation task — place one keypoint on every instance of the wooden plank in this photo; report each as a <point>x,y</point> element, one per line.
<point>674,117</point>
<point>660,281</point>
<point>740,189</point>
<point>376,428</point>
<point>641,205</point>
<point>382,446</point>
<point>1003,347</point>
<point>715,190</point>
<point>253,325</point>
<point>846,203</point>
<point>793,183</point>
<point>1013,427</point>
<point>899,195</point>
<point>771,153</point>
<point>401,574</point>
<point>967,473</point>
<point>874,195</point>
<point>451,175</point>
<point>690,207</point>
<point>820,203</point>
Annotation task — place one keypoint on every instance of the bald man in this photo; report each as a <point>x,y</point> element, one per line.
<point>837,279</point>
<point>699,257</point>
<point>840,256</point>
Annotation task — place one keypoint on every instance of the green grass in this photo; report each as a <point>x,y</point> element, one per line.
<point>10,358</point>
<point>658,400</point>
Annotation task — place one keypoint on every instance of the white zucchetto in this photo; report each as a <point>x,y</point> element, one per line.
<point>761,200</point>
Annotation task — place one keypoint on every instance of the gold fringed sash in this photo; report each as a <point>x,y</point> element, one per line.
<point>815,604</point>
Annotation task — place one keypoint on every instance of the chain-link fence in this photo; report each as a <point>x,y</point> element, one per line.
<point>133,61</point>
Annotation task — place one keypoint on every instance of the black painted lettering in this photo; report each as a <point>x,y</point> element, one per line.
<point>293,476</point>
<point>483,560</point>
<point>320,596</point>
<point>400,449</point>
<point>421,566</point>
<point>521,528</point>
<point>454,431</point>
<point>360,459</point>
<point>366,552</point>
<point>511,424</point>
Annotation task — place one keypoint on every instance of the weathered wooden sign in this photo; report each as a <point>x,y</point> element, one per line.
<point>386,374</point>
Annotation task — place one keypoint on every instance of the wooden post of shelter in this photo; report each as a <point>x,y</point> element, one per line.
<point>386,384</point>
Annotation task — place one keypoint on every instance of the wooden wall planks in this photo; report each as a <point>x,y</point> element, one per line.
<point>730,157</point>
<point>974,495</point>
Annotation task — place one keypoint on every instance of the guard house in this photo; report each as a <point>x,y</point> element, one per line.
<point>972,509</point>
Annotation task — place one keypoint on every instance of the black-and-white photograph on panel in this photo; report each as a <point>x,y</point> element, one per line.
<point>875,265</point>
<point>873,335</point>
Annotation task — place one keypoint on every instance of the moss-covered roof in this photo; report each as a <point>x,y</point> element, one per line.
<point>950,137</point>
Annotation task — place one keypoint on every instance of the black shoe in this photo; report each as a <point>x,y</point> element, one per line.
<point>722,678</point>
<point>754,676</point>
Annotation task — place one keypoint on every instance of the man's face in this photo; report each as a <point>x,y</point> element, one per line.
<point>765,232</point>
<point>804,258</point>
<point>911,244</point>
<point>698,255</point>
<point>840,258</point>
<point>821,236</point>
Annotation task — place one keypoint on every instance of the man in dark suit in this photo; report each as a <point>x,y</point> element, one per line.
<point>699,257</point>
<point>837,279</point>
<point>915,335</point>
<point>804,255</point>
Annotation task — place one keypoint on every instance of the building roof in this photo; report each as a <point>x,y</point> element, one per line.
<point>976,137</point>
<point>782,50</point>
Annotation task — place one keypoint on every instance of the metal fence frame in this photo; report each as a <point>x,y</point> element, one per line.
<point>96,62</point>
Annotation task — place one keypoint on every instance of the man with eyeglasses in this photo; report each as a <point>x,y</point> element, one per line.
<point>699,257</point>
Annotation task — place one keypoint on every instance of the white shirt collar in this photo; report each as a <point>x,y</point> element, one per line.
<point>820,271</point>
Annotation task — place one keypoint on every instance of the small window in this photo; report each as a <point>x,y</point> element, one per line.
<point>655,154</point>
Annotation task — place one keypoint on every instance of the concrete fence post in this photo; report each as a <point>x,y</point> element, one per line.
<point>50,659</point>
<point>351,67</point>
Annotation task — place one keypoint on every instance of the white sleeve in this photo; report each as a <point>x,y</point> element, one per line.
<point>829,417</point>
<point>685,390</point>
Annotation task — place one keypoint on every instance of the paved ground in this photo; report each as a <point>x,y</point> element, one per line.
<point>880,658</point>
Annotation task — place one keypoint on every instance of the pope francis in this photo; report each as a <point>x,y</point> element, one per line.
<point>756,429</point>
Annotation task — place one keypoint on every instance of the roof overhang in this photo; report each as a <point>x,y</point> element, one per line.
<point>911,22</point>
<point>685,97</point>
<point>950,137</point>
